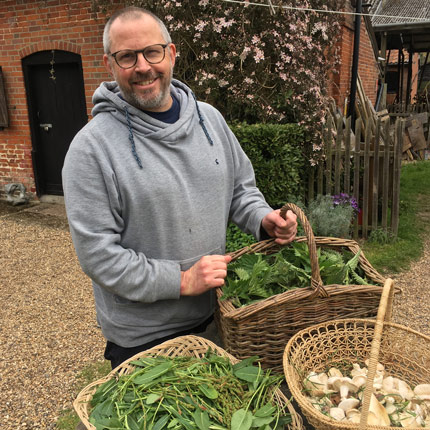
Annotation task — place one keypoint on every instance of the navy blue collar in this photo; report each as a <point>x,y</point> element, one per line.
<point>169,116</point>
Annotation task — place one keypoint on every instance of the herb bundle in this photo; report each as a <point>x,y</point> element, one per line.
<point>255,277</point>
<point>189,393</point>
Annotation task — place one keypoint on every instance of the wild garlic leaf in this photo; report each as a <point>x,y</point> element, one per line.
<point>161,423</point>
<point>151,374</point>
<point>208,391</point>
<point>241,420</point>
<point>201,418</point>
<point>249,373</point>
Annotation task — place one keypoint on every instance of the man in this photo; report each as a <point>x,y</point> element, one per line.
<point>150,184</point>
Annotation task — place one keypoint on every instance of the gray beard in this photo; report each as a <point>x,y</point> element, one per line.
<point>143,103</point>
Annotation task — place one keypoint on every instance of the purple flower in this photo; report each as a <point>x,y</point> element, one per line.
<point>344,199</point>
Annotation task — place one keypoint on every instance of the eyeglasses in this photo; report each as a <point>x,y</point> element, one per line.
<point>127,58</point>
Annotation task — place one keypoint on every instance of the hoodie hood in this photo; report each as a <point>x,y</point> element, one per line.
<point>107,99</point>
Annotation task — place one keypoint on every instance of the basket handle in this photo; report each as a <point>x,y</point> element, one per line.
<point>316,282</point>
<point>384,314</point>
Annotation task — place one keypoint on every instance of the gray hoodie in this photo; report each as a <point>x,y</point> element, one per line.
<point>139,215</point>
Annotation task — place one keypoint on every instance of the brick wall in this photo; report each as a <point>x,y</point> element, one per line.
<point>28,26</point>
<point>367,66</point>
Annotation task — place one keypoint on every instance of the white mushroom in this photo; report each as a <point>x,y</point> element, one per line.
<point>316,384</point>
<point>348,404</point>
<point>392,386</point>
<point>388,384</point>
<point>358,371</point>
<point>337,413</point>
<point>422,391</point>
<point>389,405</point>
<point>405,390</point>
<point>344,386</point>
<point>353,415</point>
<point>359,380</point>
<point>334,372</point>
<point>377,381</point>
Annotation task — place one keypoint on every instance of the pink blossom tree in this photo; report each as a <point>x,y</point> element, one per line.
<point>256,63</point>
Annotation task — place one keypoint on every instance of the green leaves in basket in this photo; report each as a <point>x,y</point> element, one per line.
<point>152,374</point>
<point>255,277</point>
<point>189,393</point>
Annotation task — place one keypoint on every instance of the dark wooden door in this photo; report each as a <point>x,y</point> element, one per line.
<point>57,111</point>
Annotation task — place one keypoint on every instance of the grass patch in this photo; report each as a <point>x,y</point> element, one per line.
<point>397,255</point>
<point>68,419</point>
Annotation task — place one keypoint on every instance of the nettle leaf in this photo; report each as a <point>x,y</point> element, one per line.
<point>242,273</point>
<point>241,420</point>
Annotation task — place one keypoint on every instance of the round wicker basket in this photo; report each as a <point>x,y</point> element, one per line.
<point>188,346</point>
<point>404,353</point>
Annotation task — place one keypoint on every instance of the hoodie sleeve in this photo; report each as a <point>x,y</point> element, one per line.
<point>248,205</point>
<point>93,205</point>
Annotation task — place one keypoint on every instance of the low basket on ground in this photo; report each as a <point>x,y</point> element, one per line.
<point>185,346</point>
<point>403,352</point>
<point>264,328</point>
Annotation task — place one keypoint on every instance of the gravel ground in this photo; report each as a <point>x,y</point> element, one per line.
<point>48,327</point>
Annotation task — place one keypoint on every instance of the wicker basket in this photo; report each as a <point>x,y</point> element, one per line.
<point>188,346</point>
<point>264,328</point>
<point>404,353</point>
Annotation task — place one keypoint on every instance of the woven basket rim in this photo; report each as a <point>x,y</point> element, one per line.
<point>295,386</point>
<point>84,397</point>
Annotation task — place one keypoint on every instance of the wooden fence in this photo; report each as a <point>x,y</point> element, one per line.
<point>362,168</point>
<point>406,109</point>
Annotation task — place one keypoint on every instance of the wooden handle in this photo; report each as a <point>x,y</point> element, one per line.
<point>316,282</point>
<point>384,314</point>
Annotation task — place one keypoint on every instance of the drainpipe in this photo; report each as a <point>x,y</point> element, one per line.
<point>354,70</point>
<point>409,82</point>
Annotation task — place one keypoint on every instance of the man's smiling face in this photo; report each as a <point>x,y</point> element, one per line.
<point>145,86</point>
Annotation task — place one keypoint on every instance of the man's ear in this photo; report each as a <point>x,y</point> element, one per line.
<point>172,53</point>
<point>108,64</point>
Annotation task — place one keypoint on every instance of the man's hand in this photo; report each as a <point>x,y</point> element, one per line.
<point>209,272</point>
<point>284,230</point>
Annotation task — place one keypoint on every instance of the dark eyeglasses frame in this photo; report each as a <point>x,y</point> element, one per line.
<point>137,51</point>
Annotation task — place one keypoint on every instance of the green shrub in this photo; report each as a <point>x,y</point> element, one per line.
<point>275,151</point>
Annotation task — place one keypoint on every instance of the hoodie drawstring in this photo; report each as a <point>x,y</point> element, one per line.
<point>202,121</point>
<point>131,137</point>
